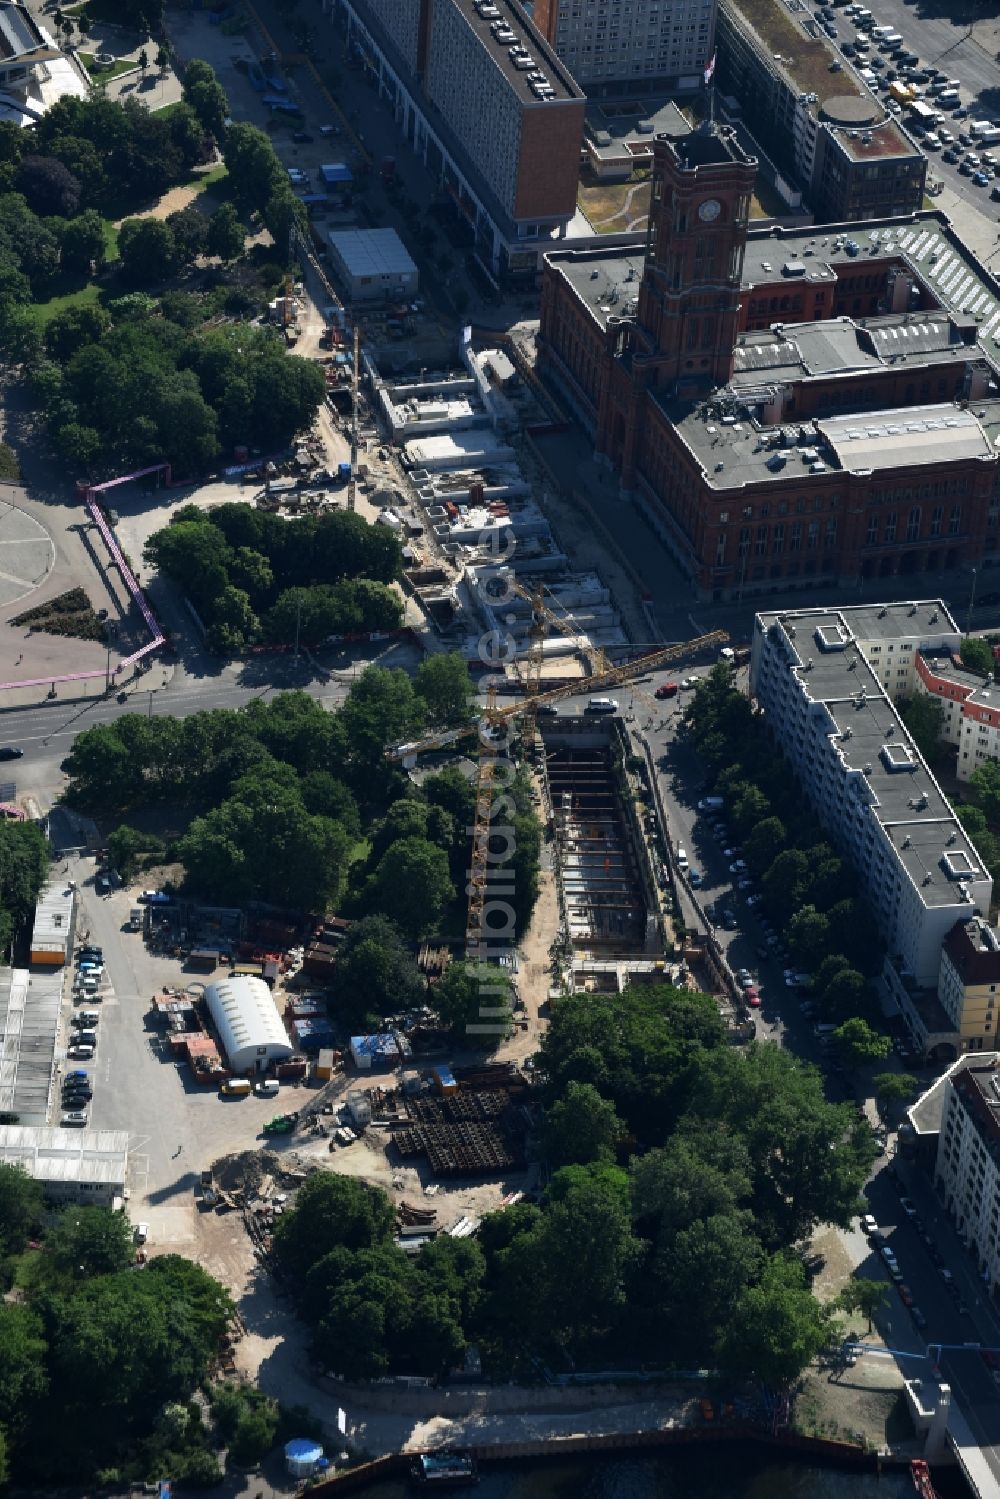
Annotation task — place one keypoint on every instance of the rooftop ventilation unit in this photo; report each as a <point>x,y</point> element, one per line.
<point>958,865</point>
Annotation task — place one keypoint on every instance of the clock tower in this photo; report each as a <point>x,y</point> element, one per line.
<point>689,298</point>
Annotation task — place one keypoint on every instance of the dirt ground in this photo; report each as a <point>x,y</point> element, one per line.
<point>865,1402</point>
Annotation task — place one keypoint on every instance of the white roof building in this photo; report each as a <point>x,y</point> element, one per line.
<point>73,1165</point>
<point>249,1025</point>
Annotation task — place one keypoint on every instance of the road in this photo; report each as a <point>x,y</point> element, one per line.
<point>45,731</point>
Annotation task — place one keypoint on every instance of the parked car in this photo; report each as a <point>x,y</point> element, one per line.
<point>695,878</point>
<point>154,898</point>
<point>301,137</point>
<point>74,1119</point>
<point>102,885</point>
<point>909,1207</point>
<point>752,998</point>
<point>666,689</point>
<point>919,1320</point>
<point>869,1224</point>
<point>10,752</point>
<point>905,1294</point>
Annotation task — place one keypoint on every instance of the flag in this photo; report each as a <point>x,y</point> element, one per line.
<point>709,69</point>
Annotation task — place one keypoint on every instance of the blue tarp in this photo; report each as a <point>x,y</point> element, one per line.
<point>335,173</point>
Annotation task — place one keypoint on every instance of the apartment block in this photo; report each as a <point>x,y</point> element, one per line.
<point>964,1104</point>
<point>489,108</point>
<point>628,46</point>
<point>969,981</point>
<point>823,127</point>
<point>867,781</point>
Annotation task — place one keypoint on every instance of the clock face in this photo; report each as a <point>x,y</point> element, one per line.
<point>709,211</point>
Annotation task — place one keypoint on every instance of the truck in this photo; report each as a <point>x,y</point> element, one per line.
<point>135,919</point>
<point>901,92</point>
<point>343,473</point>
<point>922,114</point>
<point>985,132</point>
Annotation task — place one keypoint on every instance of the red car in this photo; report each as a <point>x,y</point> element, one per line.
<point>752,998</point>
<point>666,689</point>
<point>905,1295</point>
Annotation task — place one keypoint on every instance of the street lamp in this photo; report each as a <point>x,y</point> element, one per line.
<point>972,604</point>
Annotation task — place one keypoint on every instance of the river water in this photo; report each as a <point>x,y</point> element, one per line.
<point>727,1472</point>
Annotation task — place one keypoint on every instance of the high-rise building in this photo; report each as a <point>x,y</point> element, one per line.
<point>787,407</point>
<point>867,781</point>
<point>627,46</point>
<point>490,109</point>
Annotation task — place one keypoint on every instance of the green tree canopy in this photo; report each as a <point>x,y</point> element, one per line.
<point>444,683</point>
<point>475,1001</point>
<point>376,975</point>
<point>581,1127</point>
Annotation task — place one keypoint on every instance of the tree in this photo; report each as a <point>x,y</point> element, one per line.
<point>764,843</point>
<point>581,1127</point>
<point>893,1088</point>
<point>475,1002</point>
<point>226,235</point>
<point>83,243</point>
<point>126,844</point>
<point>808,936</point>
<point>162,58</point>
<point>411,885</point>
<point>148,251</point>
<point>143,61</point>
<point>583,1250</point>
<point>923,716</point>
<point>859,1044</point>
<point>190,231</point>
<point>210,103</point>
<point>847,994</point>
<point>375,975</point>
<point>985,782</point>
<point>23,1376</point>
<point>75,327</point>
<point>809,1158</point>
<point>89,1241</point>
<point>49,187</point>
<point>20,1208</point>
<point>863,1295</point>
<point>776,1327</point>
<point>330,1212</point>
<point>444,683</point>
<point>254,170</point>
<point>977,655</point>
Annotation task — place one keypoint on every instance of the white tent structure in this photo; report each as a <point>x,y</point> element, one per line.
<point>249,1026</point>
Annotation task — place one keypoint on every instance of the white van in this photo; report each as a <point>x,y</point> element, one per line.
<point>141,1233</point>
<point>268,1087</point>
<point>86,1018</point>
<point>878,32</point>
<point>602,705</point>
<point>682,859</point>
<point>86,1038</point>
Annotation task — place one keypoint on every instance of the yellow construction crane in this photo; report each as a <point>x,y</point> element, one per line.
<point>489,729</point>
<point>540,615</point>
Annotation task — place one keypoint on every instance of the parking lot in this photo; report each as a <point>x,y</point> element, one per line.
<point>176,1127</point>
<point>923,84</point>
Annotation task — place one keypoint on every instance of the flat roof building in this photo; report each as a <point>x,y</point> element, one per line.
<point>373,264</point>
<point>784,408</point>
<point>30,1005</point>
<point>52,933</point>
<point>490,109</point>
<point>87,1166</point>
<point>819,122</point>
<point>964,1104</point>
<point>867,781</point>
<point>249,1025</point>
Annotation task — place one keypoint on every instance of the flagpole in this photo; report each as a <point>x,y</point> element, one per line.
<point>709,76</point>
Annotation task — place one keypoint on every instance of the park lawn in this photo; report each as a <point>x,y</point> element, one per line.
<point>84,296</point>
<point>104,75</point>
<point>204,182</point>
